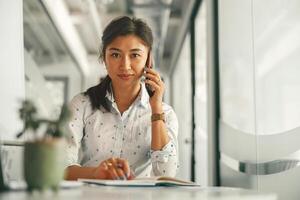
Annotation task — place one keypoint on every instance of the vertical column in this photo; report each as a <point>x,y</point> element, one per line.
<point>212,92</point>
<point>12,80</point>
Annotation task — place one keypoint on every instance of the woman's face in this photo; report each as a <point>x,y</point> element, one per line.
<point>125,59</point>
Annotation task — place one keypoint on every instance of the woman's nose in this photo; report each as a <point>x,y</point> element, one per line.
<point>125,64</point>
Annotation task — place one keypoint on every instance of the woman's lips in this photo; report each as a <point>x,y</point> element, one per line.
<point>125,76</point>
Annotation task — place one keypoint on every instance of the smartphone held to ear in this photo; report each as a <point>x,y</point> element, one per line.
<point>149,64</point>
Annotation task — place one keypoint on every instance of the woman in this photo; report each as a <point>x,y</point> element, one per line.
<point>117,130</point>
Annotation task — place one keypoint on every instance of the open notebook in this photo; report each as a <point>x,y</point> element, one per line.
<point>145,181</point>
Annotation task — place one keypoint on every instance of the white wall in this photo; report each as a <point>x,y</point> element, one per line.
<point>11,67</point>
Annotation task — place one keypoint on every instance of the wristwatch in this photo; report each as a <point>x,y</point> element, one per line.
<point>157,116</point>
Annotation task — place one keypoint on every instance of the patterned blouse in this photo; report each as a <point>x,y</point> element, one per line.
<point>96,135</point>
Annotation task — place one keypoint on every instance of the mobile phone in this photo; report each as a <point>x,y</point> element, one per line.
<point>149,64</point>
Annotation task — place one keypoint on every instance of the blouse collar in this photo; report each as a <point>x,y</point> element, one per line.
<point>142,98</point>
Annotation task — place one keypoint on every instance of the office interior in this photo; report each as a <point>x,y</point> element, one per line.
<point>231,70</point>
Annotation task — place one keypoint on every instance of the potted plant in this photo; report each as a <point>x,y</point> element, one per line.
<point>44,154</point>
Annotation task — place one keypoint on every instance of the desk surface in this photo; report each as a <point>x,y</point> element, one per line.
<point>92,192</point>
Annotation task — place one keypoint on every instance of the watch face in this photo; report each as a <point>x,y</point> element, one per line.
<point>156,117</point>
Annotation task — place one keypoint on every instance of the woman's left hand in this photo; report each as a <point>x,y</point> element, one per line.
<point>158,87</point>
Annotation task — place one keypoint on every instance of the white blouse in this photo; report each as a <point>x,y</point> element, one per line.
<point>96,135</point>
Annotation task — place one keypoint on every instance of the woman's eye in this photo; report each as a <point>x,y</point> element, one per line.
<point>115,55</point>
<point>135,55</point>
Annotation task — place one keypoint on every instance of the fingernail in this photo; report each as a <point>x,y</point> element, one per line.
<point>119,165</point>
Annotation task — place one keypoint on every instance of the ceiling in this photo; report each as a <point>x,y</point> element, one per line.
<point>89,17</point>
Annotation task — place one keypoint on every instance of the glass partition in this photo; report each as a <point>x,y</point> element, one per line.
<point>181,101</point>
<point>201,137</point>
<point>238,142</point>
<point>260,102</point>
<point>276,53</point>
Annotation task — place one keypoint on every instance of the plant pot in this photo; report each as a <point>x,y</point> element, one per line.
<point>44,163</point>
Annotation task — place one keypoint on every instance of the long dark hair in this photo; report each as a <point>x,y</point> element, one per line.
<point>120,26</point>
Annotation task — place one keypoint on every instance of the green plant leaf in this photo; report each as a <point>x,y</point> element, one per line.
<point>28,113</point>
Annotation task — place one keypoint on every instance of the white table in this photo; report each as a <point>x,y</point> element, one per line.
<point>93,192</point>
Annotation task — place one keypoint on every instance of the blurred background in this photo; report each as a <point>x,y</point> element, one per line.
<point>231,70</point>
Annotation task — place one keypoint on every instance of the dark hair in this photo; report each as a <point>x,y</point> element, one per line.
<point>120,26</point>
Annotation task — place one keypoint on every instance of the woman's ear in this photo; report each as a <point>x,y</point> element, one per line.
<point>104,62</point>
<point>105,65</point>
<point>102,58</point>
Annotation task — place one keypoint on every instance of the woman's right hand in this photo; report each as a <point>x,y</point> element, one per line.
<point>114,169</point>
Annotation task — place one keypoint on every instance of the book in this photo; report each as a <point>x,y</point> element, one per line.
<point>143,181</point>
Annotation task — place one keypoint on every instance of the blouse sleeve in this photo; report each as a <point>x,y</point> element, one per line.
<point>75,128</point>
<point>165,161</point>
